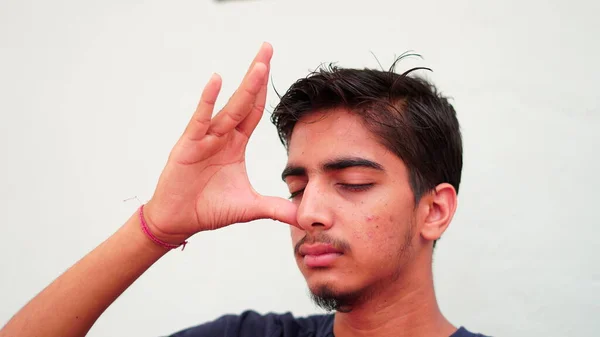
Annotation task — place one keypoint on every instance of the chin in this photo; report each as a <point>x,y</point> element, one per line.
<point>329,297</point>
<point>324,278</point>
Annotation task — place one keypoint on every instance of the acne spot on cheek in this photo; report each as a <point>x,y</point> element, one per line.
<point>372,217</point>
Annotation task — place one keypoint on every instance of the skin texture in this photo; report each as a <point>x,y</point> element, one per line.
<point>384,274</point>
<point>374,221</point>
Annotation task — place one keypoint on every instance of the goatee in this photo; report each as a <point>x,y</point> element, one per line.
<point>329,300</point>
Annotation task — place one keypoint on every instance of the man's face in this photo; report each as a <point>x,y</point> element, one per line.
<point>355,207</point>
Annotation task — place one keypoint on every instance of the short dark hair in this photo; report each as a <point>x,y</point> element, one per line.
<point>405,112</point>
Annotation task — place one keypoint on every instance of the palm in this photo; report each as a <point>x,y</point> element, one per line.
<point>205,185</point>
<point>227,192</point>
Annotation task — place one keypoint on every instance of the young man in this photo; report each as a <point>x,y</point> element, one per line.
<point>374,167</point>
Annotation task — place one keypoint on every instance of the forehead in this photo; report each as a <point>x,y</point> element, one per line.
<point>333,133</point>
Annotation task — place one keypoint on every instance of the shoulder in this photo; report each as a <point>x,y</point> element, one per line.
<point>462,332</point>
<point>251,323</point>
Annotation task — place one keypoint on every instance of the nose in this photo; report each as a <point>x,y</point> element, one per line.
<point>314,211</point>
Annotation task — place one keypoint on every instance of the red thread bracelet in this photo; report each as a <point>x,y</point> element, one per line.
<point>154,238</point>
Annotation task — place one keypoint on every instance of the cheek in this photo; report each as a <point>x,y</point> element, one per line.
<point>381,230</point>
<point>372,226</point>
<point>369,232</point>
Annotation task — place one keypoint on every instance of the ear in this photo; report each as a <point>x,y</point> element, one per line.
<point>440,207</point>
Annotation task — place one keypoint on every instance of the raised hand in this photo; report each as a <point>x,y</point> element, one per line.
<point>204,185</point>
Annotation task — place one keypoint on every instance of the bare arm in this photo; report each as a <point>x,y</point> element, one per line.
<point>73,302</point>
<point>204,186</point>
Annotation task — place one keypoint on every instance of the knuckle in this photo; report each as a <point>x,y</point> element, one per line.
<point>259,107</point>
<point>251,90</point>
<point>236,116</point>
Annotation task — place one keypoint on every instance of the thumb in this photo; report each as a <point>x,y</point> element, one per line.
<point>277,209</point>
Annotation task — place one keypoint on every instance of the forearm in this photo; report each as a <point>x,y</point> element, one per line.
<point>74,301</point>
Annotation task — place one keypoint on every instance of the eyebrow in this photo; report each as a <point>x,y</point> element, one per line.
<point>333,165</point>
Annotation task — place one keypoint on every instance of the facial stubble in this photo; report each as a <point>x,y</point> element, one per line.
<point>328,299</point>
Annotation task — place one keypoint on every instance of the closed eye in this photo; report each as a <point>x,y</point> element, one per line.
<point>349,187</point>
<point>295,194</point>
<point>356,187</point>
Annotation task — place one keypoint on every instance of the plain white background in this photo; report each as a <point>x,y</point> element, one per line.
<point>94,94</point>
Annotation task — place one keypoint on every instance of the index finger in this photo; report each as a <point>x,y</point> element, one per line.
<point>241,103</point>
<point>263,56</point>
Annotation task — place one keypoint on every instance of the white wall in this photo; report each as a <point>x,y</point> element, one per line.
<point>94,94</point>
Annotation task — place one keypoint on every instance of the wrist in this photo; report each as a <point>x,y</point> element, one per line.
<point>154,232</point>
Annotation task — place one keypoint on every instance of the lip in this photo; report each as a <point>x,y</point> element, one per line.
<point>319,255</point>
<point>318,249</point>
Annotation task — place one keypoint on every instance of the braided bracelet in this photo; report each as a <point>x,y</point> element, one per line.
<point>154,238</point>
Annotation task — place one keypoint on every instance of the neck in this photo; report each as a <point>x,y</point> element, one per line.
<point>408,307</point>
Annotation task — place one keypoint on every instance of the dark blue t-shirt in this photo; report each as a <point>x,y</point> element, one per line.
<point>253,324</point>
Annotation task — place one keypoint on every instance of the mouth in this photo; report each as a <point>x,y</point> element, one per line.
<point>319,255</point>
